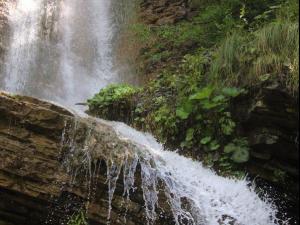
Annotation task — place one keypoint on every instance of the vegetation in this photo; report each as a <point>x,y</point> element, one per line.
<point>228,47</point>
<point>112,97</point>
<point>78,219</point>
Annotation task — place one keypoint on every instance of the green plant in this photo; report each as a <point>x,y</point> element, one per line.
<point>113,101</point>
<point>78,218</point>
<point>271,52</point>
<point>111,94</point>
<point>189,101</point>
<point>141,31</point>
<point>278,45</point>
<point>238,150</point>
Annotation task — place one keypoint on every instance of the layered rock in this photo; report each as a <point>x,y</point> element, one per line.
<point>268,117</point>
<point>47,173</point>
<point>161,12</point>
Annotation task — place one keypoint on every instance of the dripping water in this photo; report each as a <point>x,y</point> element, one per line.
<point>196,195</point>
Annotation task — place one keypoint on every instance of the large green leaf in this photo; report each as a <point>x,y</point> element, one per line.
<point>241,155</point>
<point>182,114</point>
<point>190,134</point>
<point>184,111</point>
<point>214,145</point>
<point>205,140</point>
<point>219,98</point>
<point>205,93</point>
<point>231,92</point>
<point>230,148</point>
<point>206,104</point>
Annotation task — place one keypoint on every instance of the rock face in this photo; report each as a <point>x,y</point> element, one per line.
<point>45,174</point>
<point>268,116</point>
<point>162,12</point>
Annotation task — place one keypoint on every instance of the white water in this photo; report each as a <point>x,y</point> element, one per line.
<point>69,62</point>
<point>212,197</point>
<point>23,47</point>
<point>60,49</point>
<point>197,195</point>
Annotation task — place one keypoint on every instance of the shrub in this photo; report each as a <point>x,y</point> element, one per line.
<point>113,102</point>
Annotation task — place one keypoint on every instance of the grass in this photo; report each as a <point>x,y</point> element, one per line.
<point>271,50</point>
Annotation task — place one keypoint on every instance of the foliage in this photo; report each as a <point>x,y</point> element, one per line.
<point>238,150</point>
<point>208,61</point>
<point>272,51</point>
<point>112,98</point>
<point>78,219</point>
<point>111,94</point>
<point>142,31</point>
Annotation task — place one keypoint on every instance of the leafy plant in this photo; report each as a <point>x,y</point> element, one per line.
<point>238,150</point>
<point>78,219</point>
<point>113,101</point>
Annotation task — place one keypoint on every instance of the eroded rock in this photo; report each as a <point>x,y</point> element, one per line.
<point>52,164</point>
<point>162,12</point>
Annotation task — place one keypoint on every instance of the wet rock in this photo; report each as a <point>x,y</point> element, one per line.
<point>268,116</point>
<point>44,175</point>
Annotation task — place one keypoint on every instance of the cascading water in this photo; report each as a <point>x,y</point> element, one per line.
<point>87,32</point>
<point>23,47</point>
<point>213,198</point>
<point>196,195</point>
<point>61,50</point>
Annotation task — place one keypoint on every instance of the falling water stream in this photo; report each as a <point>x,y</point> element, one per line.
<point>62,50</point>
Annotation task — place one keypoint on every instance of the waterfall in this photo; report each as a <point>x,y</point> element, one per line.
<point>61,50</point>
<point>195,194</point>
<point>23,47</point>
<point>86,64</point>
<point>213,199</point>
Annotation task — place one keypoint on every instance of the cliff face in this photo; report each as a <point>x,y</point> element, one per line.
<point>268,117</point>
<point>44,175</point>
<point>162,12</point>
